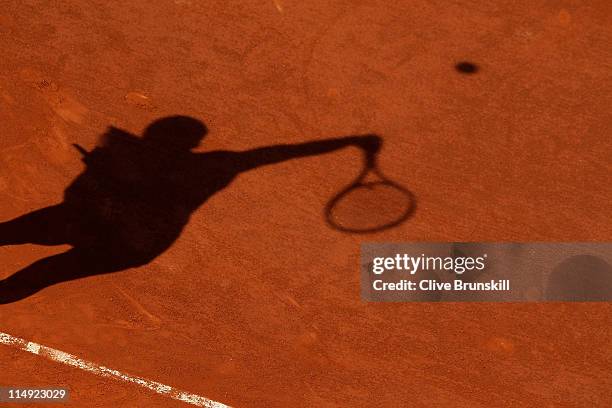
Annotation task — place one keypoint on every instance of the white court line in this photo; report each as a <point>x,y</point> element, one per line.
<point>74,361</point>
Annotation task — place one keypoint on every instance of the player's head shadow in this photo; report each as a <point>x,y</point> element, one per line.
<point>175,132</point>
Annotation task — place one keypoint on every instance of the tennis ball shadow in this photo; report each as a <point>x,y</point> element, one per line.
<point>466,67</point>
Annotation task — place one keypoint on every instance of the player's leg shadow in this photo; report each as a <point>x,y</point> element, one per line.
<point>57,225</point>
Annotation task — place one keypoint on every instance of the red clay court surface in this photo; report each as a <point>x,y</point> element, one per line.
<point>257,303</point>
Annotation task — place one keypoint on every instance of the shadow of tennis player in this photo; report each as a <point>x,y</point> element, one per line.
<point>134,198</point>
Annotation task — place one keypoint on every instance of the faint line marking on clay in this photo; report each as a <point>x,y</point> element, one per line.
<point>278,5</point>
<point>97,369</point>
<point>154,319</point>
<point>139,100</point>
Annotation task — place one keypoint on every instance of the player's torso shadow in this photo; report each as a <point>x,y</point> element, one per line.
<point>134,199</point>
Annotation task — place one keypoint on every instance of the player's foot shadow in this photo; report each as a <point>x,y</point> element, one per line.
<point>134,198</point>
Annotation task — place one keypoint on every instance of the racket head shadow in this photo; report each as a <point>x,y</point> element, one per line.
<point>370,206</point>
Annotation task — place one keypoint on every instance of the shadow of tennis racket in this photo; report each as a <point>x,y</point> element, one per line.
<point>371,203</point>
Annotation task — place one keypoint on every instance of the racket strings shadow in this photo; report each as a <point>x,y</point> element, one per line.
<point>372,202</point>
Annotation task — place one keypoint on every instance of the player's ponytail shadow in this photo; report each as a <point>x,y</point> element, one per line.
<point>371,203</point>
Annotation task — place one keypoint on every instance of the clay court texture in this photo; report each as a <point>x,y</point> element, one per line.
<point>495,115</point>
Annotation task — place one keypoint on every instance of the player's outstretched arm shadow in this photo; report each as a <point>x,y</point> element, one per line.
<point>262,156</point>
